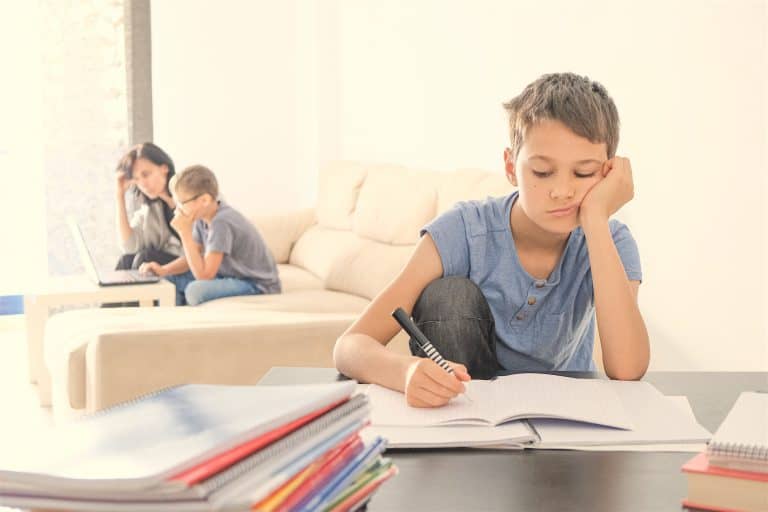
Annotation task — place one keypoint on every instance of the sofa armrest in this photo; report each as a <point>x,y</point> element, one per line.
<point>117,367</point>
<point>281,230</point>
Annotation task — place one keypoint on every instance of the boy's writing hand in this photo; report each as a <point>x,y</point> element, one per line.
<point>181,222</point>
<point>428,385</point>
<point>152,267</point>
<point>613,191</point>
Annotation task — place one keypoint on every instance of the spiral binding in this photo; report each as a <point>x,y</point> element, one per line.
<point>132,401</point>
<point>318,425</point>
<point>739,450</point>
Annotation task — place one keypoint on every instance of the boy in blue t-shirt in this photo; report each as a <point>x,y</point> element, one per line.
<point>224,254</point>
<point>513,283</point>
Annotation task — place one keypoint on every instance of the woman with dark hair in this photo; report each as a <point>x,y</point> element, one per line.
<point>144,215</point>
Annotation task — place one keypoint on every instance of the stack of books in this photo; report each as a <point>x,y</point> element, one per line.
<point>733,472</point>
<point>205,447</point>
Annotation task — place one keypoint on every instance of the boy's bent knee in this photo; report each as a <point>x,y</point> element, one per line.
<point>196,293</point>
<point>451,297</point>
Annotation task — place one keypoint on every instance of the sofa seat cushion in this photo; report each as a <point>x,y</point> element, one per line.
<point>295,278</point>
<point>313,301</point>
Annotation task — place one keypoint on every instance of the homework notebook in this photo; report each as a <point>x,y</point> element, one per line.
<point>143,443</point>
<point>232,488</point>
<point>509,398</point>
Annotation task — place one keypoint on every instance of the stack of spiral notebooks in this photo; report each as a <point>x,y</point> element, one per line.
<point>205,447</point>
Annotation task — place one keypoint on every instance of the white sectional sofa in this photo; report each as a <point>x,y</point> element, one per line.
<point>333,260</point>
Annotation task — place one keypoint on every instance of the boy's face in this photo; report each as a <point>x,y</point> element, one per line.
<point>554,170</point>
<point>192,205</point>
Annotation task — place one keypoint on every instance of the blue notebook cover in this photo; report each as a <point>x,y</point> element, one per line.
<point>141,444</point>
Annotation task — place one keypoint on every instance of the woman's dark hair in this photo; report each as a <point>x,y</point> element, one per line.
<point>150,152</point>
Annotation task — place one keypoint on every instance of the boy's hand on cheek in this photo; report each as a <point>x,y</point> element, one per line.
<point>614,190</point>
<point>181,221</point>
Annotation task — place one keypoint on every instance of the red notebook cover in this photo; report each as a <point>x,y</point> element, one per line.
<point>225,459</point>
<point>696,506</point>
<point>700,464</point>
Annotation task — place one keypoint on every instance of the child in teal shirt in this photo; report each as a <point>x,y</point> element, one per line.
<point>514,283</point>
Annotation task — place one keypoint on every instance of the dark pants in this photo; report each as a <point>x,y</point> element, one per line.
<point>454,315</point>
<point>134,261</point>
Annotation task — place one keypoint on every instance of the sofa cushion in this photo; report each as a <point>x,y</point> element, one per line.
<point>314,301</point>
<point>337,195</point>
<point>281,230</point>
<point>319,248</point>
<point>395,203</point>
<point>294,278</point>
<point>466,184</point>
<point>369,268</point>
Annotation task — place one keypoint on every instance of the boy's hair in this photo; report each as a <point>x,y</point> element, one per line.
<point>197,180</point>
<point>579,103</point>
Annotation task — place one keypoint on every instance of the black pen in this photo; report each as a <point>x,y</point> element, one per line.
<point>421,340</point>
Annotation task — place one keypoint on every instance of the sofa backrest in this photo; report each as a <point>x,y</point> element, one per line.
<point>368,218</point>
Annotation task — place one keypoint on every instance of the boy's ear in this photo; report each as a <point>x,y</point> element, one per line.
<point>509,166</point>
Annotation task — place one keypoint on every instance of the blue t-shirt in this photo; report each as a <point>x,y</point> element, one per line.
<point>541,325</point>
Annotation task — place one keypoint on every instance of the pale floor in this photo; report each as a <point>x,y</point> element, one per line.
<point>18,398</point>
<point>22,418</point>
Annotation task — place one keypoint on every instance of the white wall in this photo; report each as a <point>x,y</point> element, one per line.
<point>421,83</point>
<point>225,80</point>
<point>22,199</point>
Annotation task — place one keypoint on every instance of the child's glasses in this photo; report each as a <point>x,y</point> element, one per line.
<point>190,199</point>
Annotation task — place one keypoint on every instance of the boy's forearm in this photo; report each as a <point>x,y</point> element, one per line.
<point>623,335</point>
<point>177,266</point>
<point>364,359</point>
<point>195,259</point>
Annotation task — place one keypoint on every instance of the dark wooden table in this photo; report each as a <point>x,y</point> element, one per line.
<point>544,480</point>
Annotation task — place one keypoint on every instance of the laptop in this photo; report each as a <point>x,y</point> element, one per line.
<point>108,278</point>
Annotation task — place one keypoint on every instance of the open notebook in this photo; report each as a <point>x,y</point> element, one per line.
<point>559,412</point>
<point>514,397</point>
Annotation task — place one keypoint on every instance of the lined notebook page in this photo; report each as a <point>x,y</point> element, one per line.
<point>533,395</point>
<point>513,397</point>
<point>657,419</point>
<point>744,432</point>
<point>390,408</point>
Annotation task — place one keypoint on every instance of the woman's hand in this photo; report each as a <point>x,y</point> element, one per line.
<point>152,267</point>
<point>123,183</point>
<point>428,385</point>
<point>168,199</point>
<point>613,191</point>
